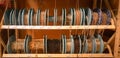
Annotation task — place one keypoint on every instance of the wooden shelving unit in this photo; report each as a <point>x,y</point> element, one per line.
<point>112,53</point>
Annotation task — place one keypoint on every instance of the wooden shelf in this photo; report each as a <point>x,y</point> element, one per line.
<point>58,27</point>
<point>57,55</point>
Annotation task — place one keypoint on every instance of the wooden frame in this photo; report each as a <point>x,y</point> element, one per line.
<point>116,47</point>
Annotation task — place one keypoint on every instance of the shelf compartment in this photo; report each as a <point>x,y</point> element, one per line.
<point>63,55</point>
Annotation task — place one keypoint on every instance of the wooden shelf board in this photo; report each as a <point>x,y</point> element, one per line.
<point>39,55</point>
<point>95,55</point>
<point>57,55</point>
<point>58,27</point>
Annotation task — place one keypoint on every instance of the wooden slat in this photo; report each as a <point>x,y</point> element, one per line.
<point>59,27</point>
<point>57,55</point>
<point>39,55</point>
<point>95,55</point>
<point>111,39</point>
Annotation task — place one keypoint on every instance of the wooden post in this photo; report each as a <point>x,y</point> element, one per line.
<point>0,50</point>
<point>94,4</point>
<point>117,36</point>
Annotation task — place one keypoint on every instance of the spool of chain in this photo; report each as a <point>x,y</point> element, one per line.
<point>53,46</point>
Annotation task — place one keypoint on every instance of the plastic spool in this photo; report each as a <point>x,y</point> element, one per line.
<point>85,44</point>
<point>38,14</point>
<point>72,44</point>
<point>89,16</point>
<point>28,40</point>
<point>55,16</point>
<point>46,17</point>
<point>63,16</point>
<point>45,44</point>
<point>93,45</point>
<point>13,18</point>
<point>83,16</point>
<point>9,44</point>
<point>81,13</point>
<point>29,12</point>
<point>101,44</point>
<point>25,43</point>
<point>15,15</point>
<point>22,16</point>
<point>6,17</point>
<point>10,18</point>
<point>31,16</point>
<point>80,50</point>
<point>19,17</point>
<point>108,13</point>
<point>63,44</point>
<point>99,15</point>
<point>74,16</point>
